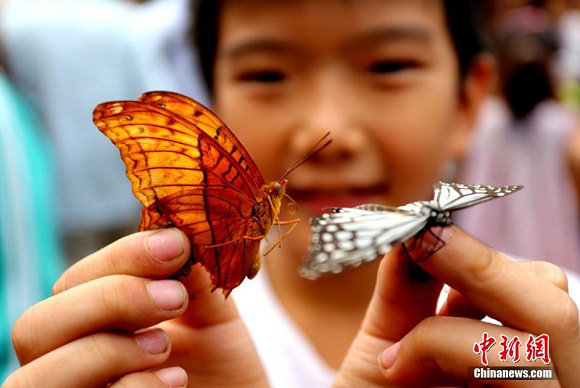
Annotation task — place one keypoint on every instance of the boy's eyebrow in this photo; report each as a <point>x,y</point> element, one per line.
<point>256,45</point>
<point>379,35</point>
<point>398,33</point>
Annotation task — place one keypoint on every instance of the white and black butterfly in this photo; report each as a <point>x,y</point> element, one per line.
<point>348,237</point>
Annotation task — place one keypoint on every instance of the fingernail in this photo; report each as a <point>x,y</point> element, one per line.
<point>388,357</point>
<point>174,377</point>
<point>168,294</point>
<point>165,245</point>
<point>153,341</point>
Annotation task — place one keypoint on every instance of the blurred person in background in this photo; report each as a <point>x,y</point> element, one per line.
<point>526,136</point>
<point>30,260</point>
<point>569,54</point>
<point>565,16</point>
<point>68,56</point>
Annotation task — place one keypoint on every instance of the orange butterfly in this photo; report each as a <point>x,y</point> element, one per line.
<point>189,170</point>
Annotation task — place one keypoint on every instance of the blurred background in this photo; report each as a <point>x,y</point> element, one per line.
<point>65,193</point>
<point>64,190</point>
<point>528,132</point>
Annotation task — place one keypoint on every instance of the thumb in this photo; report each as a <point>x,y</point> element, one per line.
<point>404,295</point>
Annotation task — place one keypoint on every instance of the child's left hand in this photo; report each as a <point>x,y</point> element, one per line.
<point>424,348</point>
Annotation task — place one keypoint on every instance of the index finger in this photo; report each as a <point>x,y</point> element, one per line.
<point>499,287</point>
<point>153,254</point>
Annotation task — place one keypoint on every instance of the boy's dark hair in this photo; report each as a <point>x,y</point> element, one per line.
<point>464,20</point>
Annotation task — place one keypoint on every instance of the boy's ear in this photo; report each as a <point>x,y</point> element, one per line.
<point>478,84</point>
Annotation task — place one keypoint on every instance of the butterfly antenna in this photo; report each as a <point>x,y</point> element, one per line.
<point>293,202</point>
<point>316,148</point>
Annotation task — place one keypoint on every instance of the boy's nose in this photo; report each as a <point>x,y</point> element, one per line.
<point>346,145</point>
<point>329,110</point>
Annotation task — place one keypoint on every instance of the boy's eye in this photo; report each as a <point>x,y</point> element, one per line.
<point>385,67</point>
<point>265,76</point>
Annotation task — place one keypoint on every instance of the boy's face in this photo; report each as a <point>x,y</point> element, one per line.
<point>381,75</point>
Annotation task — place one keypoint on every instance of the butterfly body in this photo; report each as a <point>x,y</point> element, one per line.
<point>436,216</point>
<point>268,210</point>
<point>348,237</point>
<point>263,215</point>
<point>189,171</point>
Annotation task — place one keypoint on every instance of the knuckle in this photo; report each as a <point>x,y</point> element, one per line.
<point>66,281</point>
<point>11,382</point>
<point>486,269</point>
<point>17,380</point>
<point>427,328</point>
<point>122,383</point>
<point>111,259</point>
<point>22,335</point>
<point>127,252</point>
<point>422,342</point>
<point>58,287</point>
<point>121,297</point>
<point>555,275</point>
<point>568,318</point>
<point>103,349</point>
<point>126,382</point>
<point>425,331</point>
<point>139,379</point>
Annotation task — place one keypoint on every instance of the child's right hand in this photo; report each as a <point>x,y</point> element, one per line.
<point>85,334</point>
<point>437,349</point>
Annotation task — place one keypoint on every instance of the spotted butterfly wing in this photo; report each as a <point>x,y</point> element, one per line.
<point>188,170</point>
<point>348,237</point>
<point>455,196</point>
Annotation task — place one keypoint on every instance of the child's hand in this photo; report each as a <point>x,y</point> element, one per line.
<point>84,335</point>
<point>427,349</point>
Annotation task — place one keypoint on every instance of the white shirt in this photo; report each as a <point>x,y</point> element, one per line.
<point>288,357</point>
<point>290,360</point>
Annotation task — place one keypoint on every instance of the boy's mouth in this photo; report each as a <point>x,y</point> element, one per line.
<point>315,200</point>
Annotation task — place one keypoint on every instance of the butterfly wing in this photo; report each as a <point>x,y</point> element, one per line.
<point>351,236</point>
<point>203,118</point>
<point>184,176</point>
<point>216,224</point>
<point>165,154</point>
<point>455,196</point>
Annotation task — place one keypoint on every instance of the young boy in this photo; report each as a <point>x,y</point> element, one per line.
<point>400,92</point>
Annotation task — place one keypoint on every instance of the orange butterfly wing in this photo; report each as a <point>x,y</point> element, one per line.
<point>189,170</point>
<point>207,121</point>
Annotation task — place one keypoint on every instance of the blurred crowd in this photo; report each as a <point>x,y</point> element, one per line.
<point>529,133</point>
<point>64,189</point>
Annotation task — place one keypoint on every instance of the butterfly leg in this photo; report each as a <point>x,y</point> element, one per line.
<point>294,221</point>
<point>235,240</point>
<point>276,221</point>
<point>433,246</point>
<point>283,236</point>
<point>414,241</point>
<point>416,246</point>
<point>408,250</point>
<point>440,243</point>
<point>428,247</point>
